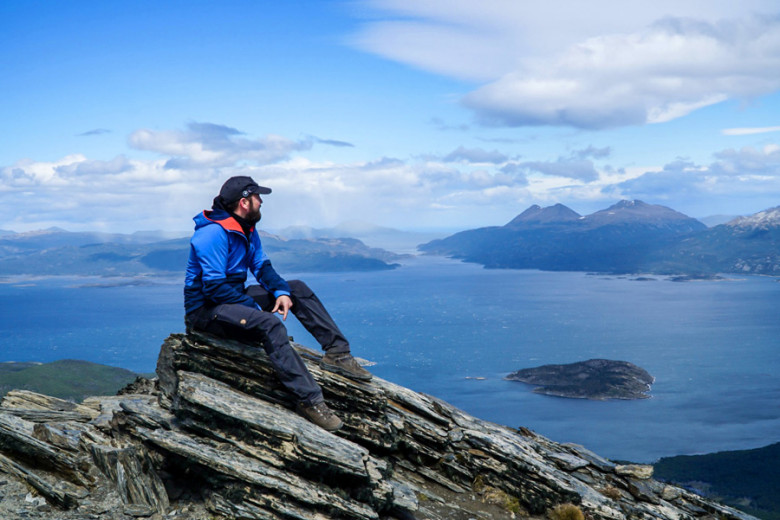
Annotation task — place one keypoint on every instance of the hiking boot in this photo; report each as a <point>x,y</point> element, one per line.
<point>320,415</point>
<point>346,365</point>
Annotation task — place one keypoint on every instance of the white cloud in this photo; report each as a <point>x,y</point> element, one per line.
<point>467,188</point>
<point>665,72</point>
<point>127,194</point>
<point>577,165</point>
<point>559,63</point>
<point>475,155</point>
<point>212,145</point>
<point>750,131</point>
<point>745,180</point>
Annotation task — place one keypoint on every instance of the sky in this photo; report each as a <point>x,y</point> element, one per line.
<point>421,115</point>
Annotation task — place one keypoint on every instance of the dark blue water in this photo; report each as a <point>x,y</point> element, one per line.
<point>434,325</point>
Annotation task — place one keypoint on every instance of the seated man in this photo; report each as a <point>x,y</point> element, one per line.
<point>224,246</point>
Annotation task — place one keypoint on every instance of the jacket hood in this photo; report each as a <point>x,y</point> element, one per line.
<point>217,216</point>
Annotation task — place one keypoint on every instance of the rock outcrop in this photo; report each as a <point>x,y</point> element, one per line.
<point>596,379</point>
<point>216,438</point>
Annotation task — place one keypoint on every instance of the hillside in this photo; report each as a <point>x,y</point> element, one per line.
<point>66,379</point>
<point>628,237</point>
<point>747,479</point>
<point>216,438</point>
<point>743,245</point>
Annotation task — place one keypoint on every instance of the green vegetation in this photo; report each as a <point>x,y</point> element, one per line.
<point>611,492</point>
<point>746,479</point>
<point>66,379</point>
<point>566,512</point>
<point>495,496</point>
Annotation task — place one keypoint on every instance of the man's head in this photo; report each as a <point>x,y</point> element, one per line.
<point>241,195</point>
<point>240,187</point>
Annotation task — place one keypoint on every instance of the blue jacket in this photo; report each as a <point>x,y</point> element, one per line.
<point>220,256</point>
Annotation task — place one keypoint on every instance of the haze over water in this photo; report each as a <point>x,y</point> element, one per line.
<point>437,325</point>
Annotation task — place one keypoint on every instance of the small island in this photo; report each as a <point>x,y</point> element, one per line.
<point>597,379</point>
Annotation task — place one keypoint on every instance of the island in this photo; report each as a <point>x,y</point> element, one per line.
<point>597,379</point>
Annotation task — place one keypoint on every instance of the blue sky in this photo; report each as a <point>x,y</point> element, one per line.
<point>124,116</point>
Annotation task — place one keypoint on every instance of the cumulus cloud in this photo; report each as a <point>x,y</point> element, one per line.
<point>395,192</point>
<point>208,145</point>
<point>748,161</point>
<point>580,169</point>
<point>577,165</point>
<point>475,155</point>
<point>593,152</point>
<point>749,174</point>
<point>166,191</point>
<point>128,194</point>
<point>667,71</point>
<point>559,64</point>
<point>466,188</point>
<point>76,192</point>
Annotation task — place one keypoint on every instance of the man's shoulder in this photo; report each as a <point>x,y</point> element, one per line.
<point>208,231</point>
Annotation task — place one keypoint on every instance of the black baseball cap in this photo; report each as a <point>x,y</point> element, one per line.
<point>240,187</point>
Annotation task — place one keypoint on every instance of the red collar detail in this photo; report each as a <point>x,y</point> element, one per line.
<point>229,224</point>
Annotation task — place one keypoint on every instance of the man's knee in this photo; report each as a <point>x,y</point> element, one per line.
<point>299,289</point>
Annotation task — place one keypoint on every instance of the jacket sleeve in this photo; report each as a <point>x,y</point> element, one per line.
<point>264,271</point>
<point>211,247</point>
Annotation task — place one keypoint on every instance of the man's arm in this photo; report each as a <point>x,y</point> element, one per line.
<point>264,271</point>
<point>270,279</point>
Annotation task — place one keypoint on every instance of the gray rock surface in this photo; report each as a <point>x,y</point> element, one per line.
<point>597,379</point>
<point>216,438</point>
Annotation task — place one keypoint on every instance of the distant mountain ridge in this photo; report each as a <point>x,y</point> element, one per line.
<point>539,215</point>
<point>641,213</point>
<point>767,219</point>
<point>377,236</point>
<point>628,237</point>
<point>60,252</point>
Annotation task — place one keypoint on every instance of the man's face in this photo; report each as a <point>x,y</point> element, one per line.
<point>253,213</point>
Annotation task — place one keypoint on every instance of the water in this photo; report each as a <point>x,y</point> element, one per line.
<point>436,325</point>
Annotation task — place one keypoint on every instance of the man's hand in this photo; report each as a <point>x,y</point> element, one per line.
<point>283,305</point>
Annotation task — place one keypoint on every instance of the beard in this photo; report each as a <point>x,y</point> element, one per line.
<point>253,216</point>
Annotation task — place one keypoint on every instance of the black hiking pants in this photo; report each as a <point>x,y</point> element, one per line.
<point>250,325</point>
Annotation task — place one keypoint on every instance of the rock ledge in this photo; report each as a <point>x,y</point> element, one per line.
<point>216,438</point>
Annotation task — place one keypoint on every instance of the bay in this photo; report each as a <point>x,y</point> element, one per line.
<point>454,330</point>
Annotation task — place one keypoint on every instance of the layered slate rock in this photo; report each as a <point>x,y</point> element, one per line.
<point>597,379</point>
<point>217,437</point>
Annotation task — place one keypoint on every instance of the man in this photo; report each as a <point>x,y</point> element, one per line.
<point>224,246</point>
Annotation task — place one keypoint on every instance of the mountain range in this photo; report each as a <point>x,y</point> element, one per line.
<point>628,237</point>
<point>375,236</point>
<point>59,252</point>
